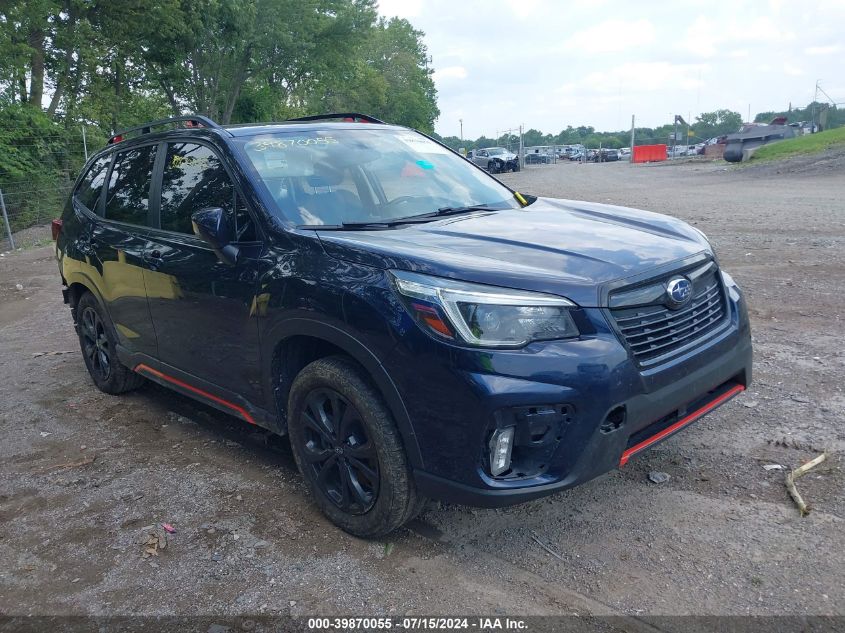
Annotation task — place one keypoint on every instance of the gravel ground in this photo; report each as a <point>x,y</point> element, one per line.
<point>85,477</point>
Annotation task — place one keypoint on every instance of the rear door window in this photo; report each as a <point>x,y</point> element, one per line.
<point>194,178</point>
<point>91,187</point>
<point>128,197</point>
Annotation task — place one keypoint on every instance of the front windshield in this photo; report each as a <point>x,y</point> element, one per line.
<point>340,176</point>
<point>496,151</point>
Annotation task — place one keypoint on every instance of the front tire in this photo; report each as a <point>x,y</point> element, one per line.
<point>99,349</point>
<point>349,450</point>
<point>493,167</point>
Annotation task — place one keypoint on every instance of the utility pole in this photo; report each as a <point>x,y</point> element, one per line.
<point>84,144</point>
<point>462,130</point>
<point>521,149</point>
<point>675,137</point>
<point>632,139</point>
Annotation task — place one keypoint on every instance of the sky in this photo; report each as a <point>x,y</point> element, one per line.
<point>546,64</point>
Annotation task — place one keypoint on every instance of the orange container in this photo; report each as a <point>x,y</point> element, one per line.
<point>648,153</point>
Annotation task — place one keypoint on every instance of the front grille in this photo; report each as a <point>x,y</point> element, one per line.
<point>654,331</point>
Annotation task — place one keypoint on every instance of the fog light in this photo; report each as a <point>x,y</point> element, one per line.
<point>500,450</point>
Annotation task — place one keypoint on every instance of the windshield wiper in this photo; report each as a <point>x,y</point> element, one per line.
<point>411,219</point>
<point>447,211</point>
<point>416,219</point>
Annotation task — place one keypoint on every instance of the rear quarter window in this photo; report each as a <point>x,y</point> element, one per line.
<point>128,197</point>
<point>91,186</point>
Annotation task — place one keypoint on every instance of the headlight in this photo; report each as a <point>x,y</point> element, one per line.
<point>484,316</point>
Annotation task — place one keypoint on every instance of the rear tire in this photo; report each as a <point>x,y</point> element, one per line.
<point>98,342</point>
<point>349,450</point>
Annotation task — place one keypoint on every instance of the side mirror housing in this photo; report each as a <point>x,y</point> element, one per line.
<point>212,226</point>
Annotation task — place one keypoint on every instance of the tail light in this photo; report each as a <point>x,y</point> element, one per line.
<point>56,228</point>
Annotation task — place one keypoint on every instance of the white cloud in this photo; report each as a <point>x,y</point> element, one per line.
<point>701,37</point>
<point>450,72</point>
<point>822,50</point>
<point>524,8</point>
<point>707,37</point>
<point>401,8</point>
<point>761,29</point>
<point>645,77</point>
<point>612,36</point>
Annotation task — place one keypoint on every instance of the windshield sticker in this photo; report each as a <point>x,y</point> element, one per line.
<point>422,145</point>
<point>287,143</point>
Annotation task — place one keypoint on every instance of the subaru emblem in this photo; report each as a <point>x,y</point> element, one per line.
<point>678,292</point>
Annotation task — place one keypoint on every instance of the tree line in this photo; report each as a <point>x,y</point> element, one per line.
<point>705,126</point>
<point>114,64</point>
<point>111,64</point>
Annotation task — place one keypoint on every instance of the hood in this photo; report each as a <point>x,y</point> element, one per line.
<point>563,247</point>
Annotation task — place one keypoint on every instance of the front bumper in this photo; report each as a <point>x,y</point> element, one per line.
<point>454,398</point>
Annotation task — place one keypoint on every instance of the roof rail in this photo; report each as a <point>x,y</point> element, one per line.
<point>193,120</point>
<point>356,117</point>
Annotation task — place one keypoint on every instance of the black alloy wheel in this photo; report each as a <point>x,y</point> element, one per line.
<point>349,450</point>
<point>98,342</point>
<point>339,452</point>
<point>95,344</point>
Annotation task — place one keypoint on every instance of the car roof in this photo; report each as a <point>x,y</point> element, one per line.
<point>246,130</point>
<point>253,129</point>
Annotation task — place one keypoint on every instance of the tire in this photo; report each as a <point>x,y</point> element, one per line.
<point>515,167</point>
<point>492,167</point>
<point>98,342</point>
<point>349,450</point>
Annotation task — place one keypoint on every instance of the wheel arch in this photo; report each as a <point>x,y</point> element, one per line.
<point>77,285</point>
<point>298,342</point>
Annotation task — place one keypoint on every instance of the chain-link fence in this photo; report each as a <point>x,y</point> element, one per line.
<point>35,200</point>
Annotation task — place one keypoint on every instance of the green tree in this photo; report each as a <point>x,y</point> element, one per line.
<point>390,79</point>
<point>710,124</point>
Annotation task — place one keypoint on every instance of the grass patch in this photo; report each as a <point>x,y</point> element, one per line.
<point>801,146</point>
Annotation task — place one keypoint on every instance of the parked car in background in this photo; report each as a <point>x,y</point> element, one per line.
<point>609,155</point>
<point>417,329</point>
<point>537,158</point>
<point>495,159</point>
<point>625,153</point>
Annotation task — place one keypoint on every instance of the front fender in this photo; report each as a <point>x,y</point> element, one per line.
<point>355,348</point>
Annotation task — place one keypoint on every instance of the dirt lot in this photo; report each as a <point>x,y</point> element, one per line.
<point>84,476</point>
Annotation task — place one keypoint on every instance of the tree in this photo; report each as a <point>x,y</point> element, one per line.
<point>710,124</point>
<point>116,63</point>
<point>390,79</point>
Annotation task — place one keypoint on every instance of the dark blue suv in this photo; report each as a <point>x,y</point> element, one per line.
<point>418,329</point>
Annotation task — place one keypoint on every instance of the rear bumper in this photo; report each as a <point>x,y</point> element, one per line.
<point>650,419</point>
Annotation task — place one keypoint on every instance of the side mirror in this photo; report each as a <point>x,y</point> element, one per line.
<point>212,225</point>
